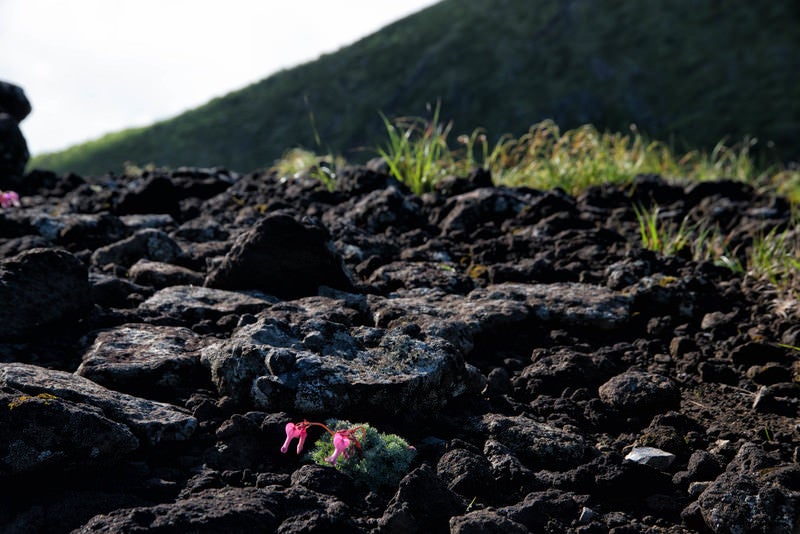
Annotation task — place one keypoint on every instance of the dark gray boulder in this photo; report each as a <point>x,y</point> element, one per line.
<point>465,472</point>
<point>537,445</point>
<point>150,244</point>
<point>151,422</point>
<point>41,288</point>
<point>283,257</point>
<point>14,107</point>
<point>13,101</point>
<point>42,432</point>
<point>422,503</point>
<point>13,152</point>
<point>485,311</point>
<point>189,304</point>
<point>753,495</point>
<point>234,510</point>
<point>160,275</point>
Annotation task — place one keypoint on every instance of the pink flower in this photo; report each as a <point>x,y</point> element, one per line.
<point>341,444</point>
<point>8,199</point>
<point>295,431</point>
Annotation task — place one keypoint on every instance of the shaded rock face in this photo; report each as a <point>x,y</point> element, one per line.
<point>14,107</point>
<point>152,422</point>
<point>34,297</point>
<point>283,257</point>
<point>43,432</point>
<point>13,101</point>
<point>13,150</point>
<point>160,331</point>
<point>753,495</point>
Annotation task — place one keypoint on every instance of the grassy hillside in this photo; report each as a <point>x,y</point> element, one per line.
<point>687,71</point>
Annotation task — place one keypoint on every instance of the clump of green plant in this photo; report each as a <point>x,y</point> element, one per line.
<point>132,170</point>
<point>418,154</point>
<point>703,243</point>
<point>298,161</point>
<point>659,236</point>
<point>546,158</point>
<point>775,256</point>
<point>374,460</point>
<point>416,151</point>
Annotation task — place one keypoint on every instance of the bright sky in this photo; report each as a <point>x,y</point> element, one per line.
<point>90,67</point>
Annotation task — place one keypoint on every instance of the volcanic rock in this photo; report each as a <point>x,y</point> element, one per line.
<point>636,393</point>
<point>651,456</point>
<point>755,492</point>
<point>145,360</point>
<point>33,298</point>
<point>283,257</point>
<point>294,357</point>
<point>152,421</point>
<point>13,101</point>
<point>519,340</point>
<point>149,243</point>
<point>190,304</point>
<point>13,152</point>
<point>46,432</point>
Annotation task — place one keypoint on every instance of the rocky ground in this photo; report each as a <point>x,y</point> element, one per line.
<point>159,331</point>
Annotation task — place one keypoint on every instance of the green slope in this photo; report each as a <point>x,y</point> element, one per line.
<point>692,71</point>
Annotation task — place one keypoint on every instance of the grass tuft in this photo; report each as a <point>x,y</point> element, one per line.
<point>775,257</point>
<point>698,240</point>
<point>416,150</point>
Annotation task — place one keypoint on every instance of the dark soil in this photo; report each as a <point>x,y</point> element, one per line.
<point>548,346</point>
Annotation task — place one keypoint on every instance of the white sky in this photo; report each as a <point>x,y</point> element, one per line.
<point>90,67</point>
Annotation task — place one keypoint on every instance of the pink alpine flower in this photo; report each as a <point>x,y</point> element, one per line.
<point>342,439</point>
<point>8,199</point>
<point>341,445</point>
<point>295,430</point>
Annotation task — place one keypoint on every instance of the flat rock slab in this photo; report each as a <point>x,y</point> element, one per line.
<point>293,358</point>
<point>193,303</point>
<point>570,305</point>
<point>152,422</point>
<point>144,359</point>
<point>214,510</point>
<point>230,509</point>
<point>539,445</point>
<point>43,432</point>
<point>460,320</point>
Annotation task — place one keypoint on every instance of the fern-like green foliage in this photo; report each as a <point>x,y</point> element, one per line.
<point>380,463</point>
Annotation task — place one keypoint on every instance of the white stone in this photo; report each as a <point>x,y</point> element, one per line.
<point>651,456</point>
